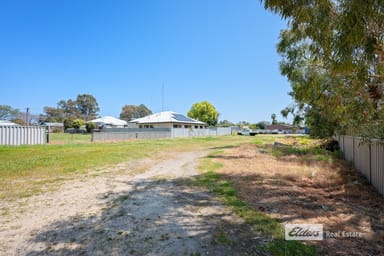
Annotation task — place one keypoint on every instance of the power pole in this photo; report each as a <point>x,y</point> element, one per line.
<point>27,117</point>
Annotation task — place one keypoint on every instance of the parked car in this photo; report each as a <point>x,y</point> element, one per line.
<point>247,132</point>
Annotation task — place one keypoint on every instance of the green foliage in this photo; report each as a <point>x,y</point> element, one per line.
<point>319,125</point>
<point>369,131</point>
<point>90,127</point>
<point>77,123</point>
<point>333,55</point>
<point>9,113</point>
<point>204,111</point>
<point>69,122</point>
<point>84,107</point>
<point>87,106</point>
<point>262,125</point>
<point>225,123</point>
<point>290,248</point>
<point>18,121</point>
<point>273,117</point>
<point>130,112</point>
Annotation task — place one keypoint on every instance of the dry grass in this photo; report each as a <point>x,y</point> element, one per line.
<point>302,184</point>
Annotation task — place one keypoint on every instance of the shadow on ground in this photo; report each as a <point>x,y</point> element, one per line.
<point>288,188</point>
<point>156,217</point>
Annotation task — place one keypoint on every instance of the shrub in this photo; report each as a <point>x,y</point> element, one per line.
<point>90,127</point>
<point>77,123</point>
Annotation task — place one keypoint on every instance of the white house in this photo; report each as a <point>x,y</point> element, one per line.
<point>109,121</point>
<point>7,123</point>
<point>167,119</point>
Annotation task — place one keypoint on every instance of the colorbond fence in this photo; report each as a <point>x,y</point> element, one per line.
<point>117,134</point>
<point>368,159</point>
<point>22,135</point>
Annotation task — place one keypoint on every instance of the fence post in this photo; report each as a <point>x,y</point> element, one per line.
<point>353,149</point>
<point>370,164</point>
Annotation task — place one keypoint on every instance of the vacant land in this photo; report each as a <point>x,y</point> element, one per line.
<point>303,184</point>
<point>198,196</point>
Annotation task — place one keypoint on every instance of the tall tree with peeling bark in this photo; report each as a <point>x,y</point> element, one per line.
<point>333,55</point>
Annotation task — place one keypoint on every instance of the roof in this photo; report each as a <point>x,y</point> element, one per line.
<point>279,127</point>
<point>7,123</point>
<point>166,117</point>
<point>54,124</point>
<point>109,120</point>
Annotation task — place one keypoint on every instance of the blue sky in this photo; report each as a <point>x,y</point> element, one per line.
<point>124,51</point>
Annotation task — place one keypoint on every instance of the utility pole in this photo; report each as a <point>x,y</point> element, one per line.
<point>27,117</point>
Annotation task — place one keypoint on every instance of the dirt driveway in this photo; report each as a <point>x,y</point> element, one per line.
<point>146,207</point>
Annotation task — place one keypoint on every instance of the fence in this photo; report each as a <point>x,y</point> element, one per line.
<point>22,135</point>
<point>117,134</point>
<point>368,159</point>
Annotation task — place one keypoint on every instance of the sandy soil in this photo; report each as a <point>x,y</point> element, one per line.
<point>296,189</point>
<point>146,207</point>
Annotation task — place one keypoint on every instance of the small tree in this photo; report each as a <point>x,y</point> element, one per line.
<point>130,112</point>
<point>69,122</point>
<point>90,127</point>
<point>204,111</point>
<point>77,123</point>
<point>274,121</point>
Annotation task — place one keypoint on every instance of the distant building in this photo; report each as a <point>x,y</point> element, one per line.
<point>284,128</point>
<point>7,123</point>
<point>167,119</point>
<point>109,122</point>
<point>281,127</point>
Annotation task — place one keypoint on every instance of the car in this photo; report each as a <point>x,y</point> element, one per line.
<point>247,132</point>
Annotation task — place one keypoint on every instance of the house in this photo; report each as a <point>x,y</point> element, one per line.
<point>7,123</point>
<point>109,122</point>
<point>281,128</point>
<point>167,119</point>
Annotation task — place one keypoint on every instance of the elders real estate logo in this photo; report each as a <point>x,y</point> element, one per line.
<point>303,231</point>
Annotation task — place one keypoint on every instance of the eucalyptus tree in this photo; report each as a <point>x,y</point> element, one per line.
<point>333,55</point>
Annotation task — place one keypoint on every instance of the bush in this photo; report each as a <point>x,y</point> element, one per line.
<point>69,122</point>
<point>77,123</point>
<point>90,127</point>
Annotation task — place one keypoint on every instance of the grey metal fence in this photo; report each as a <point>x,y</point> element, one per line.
<point>368,159</point>
<point>118,134</point>
<point>22,135</point>
<point>121,134</point>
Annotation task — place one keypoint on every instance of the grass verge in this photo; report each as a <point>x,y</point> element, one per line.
<point>30,170</point>
<point>263,225</point>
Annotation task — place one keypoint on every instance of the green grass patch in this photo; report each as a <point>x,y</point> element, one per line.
<point>290,248</point>
<point>25,170</point>
<point>66,138</point>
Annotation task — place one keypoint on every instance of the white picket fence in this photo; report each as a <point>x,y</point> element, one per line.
<point>368,159</point>
<point>22,135</point>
